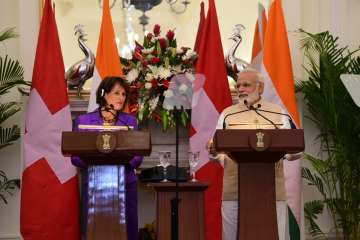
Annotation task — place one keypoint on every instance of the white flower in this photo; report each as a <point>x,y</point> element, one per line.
<point>154,70</point>
<point>183,88</point>
<point>168,93</point>
<point>132,75</point>
<point>149,77</point>
<point>148,50</point>
<point>148,85</point>
<point>153,103</point>
<point>164,72</point>
<point>177,69</point>
<point>189,54</point>
<point>179,51</point>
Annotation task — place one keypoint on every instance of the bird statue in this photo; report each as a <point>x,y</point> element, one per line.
<point>235,65</point>
<point>82,70</point>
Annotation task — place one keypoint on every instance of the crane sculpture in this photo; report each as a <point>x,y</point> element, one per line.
<point>235,65</point>
<point>82,70</point>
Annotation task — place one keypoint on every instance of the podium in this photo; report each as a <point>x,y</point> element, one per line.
<point>256,152</point>
<point>191,209</point>
<point>111,152</point>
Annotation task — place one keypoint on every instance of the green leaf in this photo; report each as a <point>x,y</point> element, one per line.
<point>8,33</point>
<point>166,62</point>
<point>313,180</point>
<point>7,187</point>
<point>319,165</point>
<point>11,74</point>
<point>164,119</point>
<point>9,135</point>
<point>158,48</point>
<point>7,110</point>
<point>184,117</point>
<point>146,42</point>
<point>311,210</point>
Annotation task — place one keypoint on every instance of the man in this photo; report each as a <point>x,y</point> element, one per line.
<point>250,86</point>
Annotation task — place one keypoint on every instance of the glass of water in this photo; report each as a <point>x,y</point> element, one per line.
<point>164,157</point>
<point>193,162</point>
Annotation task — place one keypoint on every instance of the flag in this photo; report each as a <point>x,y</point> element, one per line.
<point>201,27</point>
<point>279,89</point>
<point>258,42</point>
<point>49,193</point>
<point>107,56</point>
<point>211,99</point>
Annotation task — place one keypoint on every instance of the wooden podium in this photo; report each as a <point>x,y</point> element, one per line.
<point>191,210</point>
<point>256,152</point>
<point>111,152</point>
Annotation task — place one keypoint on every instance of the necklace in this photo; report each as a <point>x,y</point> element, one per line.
<point>109,118</point>
<point>109,122</point>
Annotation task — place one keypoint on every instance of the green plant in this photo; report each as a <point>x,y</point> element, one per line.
<point>11,75</point>
<point>331,108</point>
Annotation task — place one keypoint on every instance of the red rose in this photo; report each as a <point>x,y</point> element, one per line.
<point>163,43</point>
<point>156,117</point>
<point>184,49</point>
<point>170,35</point>
<point>166,83</point>
<point>155,60</point>
<point>137,55</point>
<point>149,36</point>
<point>145,63</point>
<point>138,46</point>
<point>156,29</point>
<point>154,83</point>
<point>134,108</point>
<point>139,85</point>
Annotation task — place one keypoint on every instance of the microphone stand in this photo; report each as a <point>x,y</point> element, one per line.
<point>175,201</point>
<point>293,126</point>
<point>267,119</point>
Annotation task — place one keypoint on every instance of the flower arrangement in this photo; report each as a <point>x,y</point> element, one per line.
<point>149,73</point>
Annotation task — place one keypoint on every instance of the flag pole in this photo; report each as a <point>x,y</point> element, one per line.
<point>175,201</point>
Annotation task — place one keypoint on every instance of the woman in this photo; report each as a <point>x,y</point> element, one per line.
<point>112,95</point>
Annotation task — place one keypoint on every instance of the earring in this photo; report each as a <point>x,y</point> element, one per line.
<point>102,92</point>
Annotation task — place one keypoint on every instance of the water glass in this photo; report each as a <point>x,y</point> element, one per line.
<point>193,162</point>
<point>164,157</point>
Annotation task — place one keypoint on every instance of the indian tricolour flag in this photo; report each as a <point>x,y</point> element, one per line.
<point>271,55</point>
<point>107,56</point>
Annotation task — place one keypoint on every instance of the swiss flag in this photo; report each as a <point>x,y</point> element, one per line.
<point>208,103</point>
<point>50,194</point>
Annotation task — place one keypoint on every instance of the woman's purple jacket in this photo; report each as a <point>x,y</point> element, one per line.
<point>94,118</point>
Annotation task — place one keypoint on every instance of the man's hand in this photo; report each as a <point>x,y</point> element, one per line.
<point>294,156</point>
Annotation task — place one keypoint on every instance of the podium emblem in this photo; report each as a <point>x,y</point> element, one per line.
<point>260,139</point>
<point>106,142</point>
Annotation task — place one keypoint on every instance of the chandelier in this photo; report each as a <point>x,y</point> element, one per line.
<point>146,5</point>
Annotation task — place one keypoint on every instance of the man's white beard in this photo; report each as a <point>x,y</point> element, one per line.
<point>250,99</point>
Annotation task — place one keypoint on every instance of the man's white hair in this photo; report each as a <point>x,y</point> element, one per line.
<point>259,77</point>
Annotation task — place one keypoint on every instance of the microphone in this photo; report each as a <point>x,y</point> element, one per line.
<point>116,115</point>
<point>251,107</point>
<point>267,119</point>
<point>293,126</point>
<point>230,114</point>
